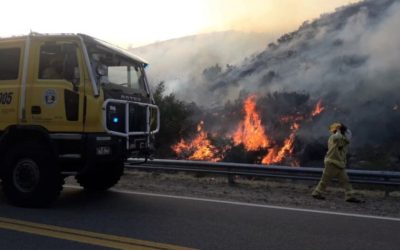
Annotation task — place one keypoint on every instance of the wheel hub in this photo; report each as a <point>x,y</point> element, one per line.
<point>26,175</point>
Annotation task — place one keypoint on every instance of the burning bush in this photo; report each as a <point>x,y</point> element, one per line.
<point>249,140</point>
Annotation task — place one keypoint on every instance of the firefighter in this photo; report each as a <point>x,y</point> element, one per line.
<point>335,163</point>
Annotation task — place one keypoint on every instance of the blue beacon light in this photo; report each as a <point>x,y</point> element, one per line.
<point>115,120</point>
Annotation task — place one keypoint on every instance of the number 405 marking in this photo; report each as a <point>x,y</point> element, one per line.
<point>6,97</point>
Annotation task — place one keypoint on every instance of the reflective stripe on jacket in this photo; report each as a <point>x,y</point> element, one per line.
<point>337,150</point>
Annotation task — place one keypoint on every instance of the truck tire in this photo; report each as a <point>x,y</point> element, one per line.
<point>31,176</point>
<point>102,177</point>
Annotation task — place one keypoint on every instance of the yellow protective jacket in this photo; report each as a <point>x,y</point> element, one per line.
<point>337,150</point>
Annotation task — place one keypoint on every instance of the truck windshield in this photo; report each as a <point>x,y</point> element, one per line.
<point>110,67</point>
<point>130,76</point>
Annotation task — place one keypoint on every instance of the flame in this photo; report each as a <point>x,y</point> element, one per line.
<point>318,109</point>
<point>250,132</point>
<point>200,148</point>
<point>275,154</point>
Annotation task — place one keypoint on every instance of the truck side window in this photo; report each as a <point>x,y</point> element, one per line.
<point>9,63</point>
<point>56,62</point>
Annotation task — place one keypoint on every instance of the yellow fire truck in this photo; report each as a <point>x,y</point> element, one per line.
<point>70,104</point>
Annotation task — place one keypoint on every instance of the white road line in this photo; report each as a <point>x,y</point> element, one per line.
<point>254,205</point>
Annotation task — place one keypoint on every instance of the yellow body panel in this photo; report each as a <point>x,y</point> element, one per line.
<point>94,122</point>
<point>52,115</point>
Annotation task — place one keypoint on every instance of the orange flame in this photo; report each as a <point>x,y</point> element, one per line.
<point>200,148</point>
<point>250,132</point>
<point>318,109</point>
<point>276,155</point>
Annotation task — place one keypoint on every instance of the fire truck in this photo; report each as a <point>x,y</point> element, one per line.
<point>70,105</point>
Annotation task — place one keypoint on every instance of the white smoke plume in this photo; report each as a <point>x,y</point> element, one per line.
<point>180,62</point>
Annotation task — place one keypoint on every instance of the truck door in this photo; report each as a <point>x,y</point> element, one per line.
<point>55,94</point>
<point>10,76</point>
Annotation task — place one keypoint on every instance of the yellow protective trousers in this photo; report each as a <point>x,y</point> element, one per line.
<point>331,171</point>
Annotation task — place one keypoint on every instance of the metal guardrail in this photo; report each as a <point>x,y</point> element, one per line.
<point>386,178</point>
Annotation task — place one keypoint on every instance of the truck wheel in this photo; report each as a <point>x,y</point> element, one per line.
<point>31,177</point>
<point>102,177</point>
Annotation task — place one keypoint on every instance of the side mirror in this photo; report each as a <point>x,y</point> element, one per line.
<point>102,70</point>
<point>76,73</point>
<point>76,78</point>
<point>72,75</point>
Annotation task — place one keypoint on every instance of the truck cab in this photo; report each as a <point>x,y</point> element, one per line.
<point>70,104</point>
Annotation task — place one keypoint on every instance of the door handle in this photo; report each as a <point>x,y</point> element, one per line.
<point>36,110</point>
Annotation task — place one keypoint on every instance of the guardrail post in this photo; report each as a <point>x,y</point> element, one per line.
<point>231,180</point>
<point>387,191</point>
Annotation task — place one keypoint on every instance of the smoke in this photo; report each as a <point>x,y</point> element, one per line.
<point>180,62</point>
<point>340,52</point>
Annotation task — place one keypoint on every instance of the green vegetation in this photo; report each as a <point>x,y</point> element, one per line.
<point>175,120</point>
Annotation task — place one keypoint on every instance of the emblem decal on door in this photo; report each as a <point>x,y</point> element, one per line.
<point>50,97</point>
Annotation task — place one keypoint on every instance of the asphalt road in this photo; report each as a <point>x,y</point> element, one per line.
<point>163,222</point>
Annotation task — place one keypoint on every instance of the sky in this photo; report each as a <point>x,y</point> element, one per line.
<point>135,23</point>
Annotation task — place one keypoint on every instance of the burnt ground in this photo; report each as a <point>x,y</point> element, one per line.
<point>263,191</point>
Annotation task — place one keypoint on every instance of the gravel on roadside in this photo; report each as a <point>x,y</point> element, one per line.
<point>286,193</point>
